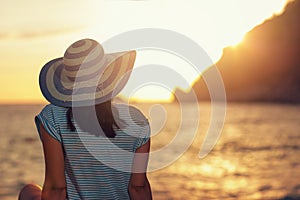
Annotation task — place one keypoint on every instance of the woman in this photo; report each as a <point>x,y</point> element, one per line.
<point>93,149</point>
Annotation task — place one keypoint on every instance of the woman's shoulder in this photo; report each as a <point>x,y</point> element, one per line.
<point>51,109</point>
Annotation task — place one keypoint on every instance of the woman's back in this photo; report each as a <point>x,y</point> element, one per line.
<point>97,167</point>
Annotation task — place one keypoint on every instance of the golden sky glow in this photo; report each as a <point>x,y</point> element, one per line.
<point>34,32</point>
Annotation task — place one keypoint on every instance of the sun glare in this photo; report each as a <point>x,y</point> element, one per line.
<point>146,94</point>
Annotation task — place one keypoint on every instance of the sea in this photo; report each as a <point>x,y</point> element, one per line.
<point>254,155</point>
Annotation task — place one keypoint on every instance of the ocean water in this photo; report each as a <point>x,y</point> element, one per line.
<point>256,157</point>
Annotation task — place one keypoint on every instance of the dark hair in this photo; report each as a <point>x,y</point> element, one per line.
<point>104,116</point>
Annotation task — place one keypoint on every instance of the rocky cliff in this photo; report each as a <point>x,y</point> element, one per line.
<point>265,66</point>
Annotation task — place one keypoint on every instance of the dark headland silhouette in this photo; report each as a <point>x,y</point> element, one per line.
<point>265,66</point>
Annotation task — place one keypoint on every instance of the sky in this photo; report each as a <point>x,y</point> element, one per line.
<point>34,32</point>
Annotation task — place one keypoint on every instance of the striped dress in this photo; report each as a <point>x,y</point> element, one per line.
<point>97,167</point>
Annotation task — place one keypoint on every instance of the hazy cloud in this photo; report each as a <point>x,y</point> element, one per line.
<point>33,18</point>
<point>4,35</point>
<point>37,33</point>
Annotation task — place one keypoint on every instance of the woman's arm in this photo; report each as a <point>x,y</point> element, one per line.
<point>139,187</point>
<point>54,187</point>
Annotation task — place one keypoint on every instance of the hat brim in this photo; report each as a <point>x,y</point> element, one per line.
<point>106,85</point>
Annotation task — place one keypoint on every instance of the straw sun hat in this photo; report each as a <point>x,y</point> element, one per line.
<point>85,76</point>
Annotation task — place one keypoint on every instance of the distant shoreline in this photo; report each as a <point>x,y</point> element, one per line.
<point>166,103</point>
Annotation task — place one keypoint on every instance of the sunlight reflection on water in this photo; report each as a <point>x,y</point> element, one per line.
<point>257,156</point>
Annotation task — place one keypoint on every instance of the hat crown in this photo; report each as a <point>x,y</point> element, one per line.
<point>84,54</point>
